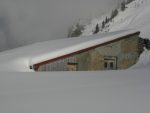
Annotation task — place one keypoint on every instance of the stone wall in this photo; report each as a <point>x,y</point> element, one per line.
<point>125,51</point>
<point>91,60</point>
<point>129,52</point>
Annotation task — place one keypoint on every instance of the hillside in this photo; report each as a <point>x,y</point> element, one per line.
<point>135,16</point>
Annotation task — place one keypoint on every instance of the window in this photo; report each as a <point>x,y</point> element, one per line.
<point>105,65</point>
<point>72,66</point>
<point>110,63</point>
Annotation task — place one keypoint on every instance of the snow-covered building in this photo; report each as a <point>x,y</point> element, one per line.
<point>114,50</point>
<point>99,52</point>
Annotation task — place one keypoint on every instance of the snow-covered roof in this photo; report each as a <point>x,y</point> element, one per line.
<point>21,58</point>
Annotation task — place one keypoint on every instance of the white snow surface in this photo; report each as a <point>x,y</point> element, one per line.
<point>144,60</point>
<point>75,92</point>
<point>136,16</point>
<point>21,58</point>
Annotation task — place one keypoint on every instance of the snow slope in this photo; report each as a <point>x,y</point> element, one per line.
<point>136,16</point>
<point>22,58</point>
<point>75,92</point>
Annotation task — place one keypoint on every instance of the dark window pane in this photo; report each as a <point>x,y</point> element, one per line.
<point>111,65</point>
<point>105,64</point>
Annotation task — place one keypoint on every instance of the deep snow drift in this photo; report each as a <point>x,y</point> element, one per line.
<point>78,92</point>
<point>144,60</point>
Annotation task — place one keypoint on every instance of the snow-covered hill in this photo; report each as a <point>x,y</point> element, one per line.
<point>135,16</point>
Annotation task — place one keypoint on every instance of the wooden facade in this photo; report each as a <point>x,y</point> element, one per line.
<point>120,53</point>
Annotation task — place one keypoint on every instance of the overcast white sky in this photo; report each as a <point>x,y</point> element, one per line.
<point>27,21</point>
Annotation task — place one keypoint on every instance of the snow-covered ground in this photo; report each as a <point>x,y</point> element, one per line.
<point>78,92</point>
<point>144,60</point>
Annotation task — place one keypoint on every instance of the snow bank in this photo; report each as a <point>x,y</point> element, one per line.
<point>144,60</point>
<point>75,92</point>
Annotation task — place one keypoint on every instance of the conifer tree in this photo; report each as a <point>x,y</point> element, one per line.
<point>129,1</point>
<point>106,20</point>
<point>114,14</point>
<point>103,25</point>
<point>96,29</point>
<point>123,6</point>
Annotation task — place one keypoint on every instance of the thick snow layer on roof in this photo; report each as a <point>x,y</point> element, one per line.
<point>75,92</point>
<point>21,58</point>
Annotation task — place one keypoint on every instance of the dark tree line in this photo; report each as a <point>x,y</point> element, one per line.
<point>129,1</point>
<point>123,6</point>
<point>78,29</point>
<point>114,13</point>
<point>124,3</point>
